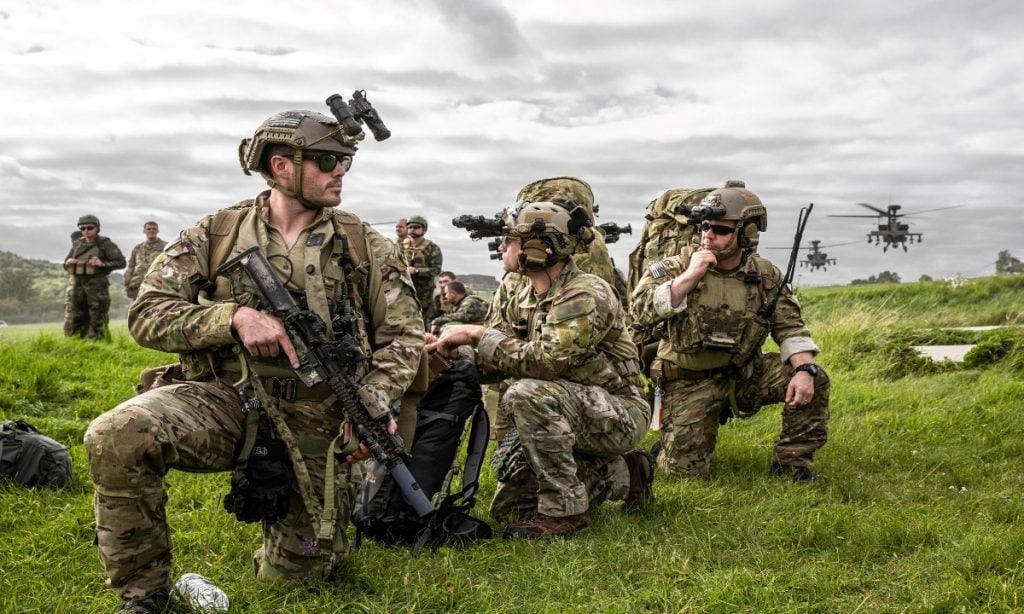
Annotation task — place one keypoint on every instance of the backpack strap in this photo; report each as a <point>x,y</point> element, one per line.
<point>223,233</point>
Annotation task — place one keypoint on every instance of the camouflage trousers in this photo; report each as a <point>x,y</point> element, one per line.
<point>425,296</point>
<point>87,307</point>
<point>691,412</point>
<point>573,438</point>
<point>197,427</point>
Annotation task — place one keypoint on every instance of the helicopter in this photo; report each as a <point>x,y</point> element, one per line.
<point>815,258</point>
<point>891,232</point>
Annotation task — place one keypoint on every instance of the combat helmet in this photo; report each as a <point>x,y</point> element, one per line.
<point>549,231</point>
<point>89,219</point>
<point>302,131</point>
<point>417,219</point>
<point>735,202</point>
<point>560,189</point>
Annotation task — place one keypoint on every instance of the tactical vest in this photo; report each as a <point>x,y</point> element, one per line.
<point>721,325</point>
<point>234,229</point>
<point>83,251</point>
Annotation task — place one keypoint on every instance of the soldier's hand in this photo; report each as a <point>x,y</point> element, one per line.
<point>800,390</point>
<point>363,453</point>
<point>71,261</point>
<point>410,271</point>
<point>94,261</point>
<point>263,335</point>
<point>454,336</point>
<point>701,261</point>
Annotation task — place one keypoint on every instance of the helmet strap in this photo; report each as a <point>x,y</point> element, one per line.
<point>296,190</point>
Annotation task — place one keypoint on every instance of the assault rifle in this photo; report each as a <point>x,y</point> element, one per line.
<point>768,309</point>
<point>334,362</point>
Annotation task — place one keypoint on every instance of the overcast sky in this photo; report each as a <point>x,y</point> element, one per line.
<point>134,110</point>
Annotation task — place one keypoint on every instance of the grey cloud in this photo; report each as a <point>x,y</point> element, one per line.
<point>491,27</point>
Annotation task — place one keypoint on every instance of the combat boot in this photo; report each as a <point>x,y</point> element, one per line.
<point>641,480</point>
<point>544,526</point>
<point>799,474</point>
<point>156,603</point>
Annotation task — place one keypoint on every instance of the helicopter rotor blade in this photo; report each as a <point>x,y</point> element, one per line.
<point>936,209</point>
<point>874,208</point>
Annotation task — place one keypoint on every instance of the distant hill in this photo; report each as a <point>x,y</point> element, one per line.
<point>49,281</point>
<point>479,283</point>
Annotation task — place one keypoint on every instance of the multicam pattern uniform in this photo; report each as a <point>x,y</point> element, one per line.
<point>427,260</point>
<point>87,306</point>
<point>573,396</point>
<point>704,385</point>
<point>138,263</point>
<point>470,309</point>
<point>196,425</point>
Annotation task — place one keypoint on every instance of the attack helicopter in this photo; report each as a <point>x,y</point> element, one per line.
<point>891,232</point>
<point>815,258</point>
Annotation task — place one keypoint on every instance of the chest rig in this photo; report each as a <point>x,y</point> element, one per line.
<point>723,324</point>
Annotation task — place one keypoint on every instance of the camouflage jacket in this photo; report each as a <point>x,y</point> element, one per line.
<point>718,322</point>
<point>138,263</point>
<point>575,331</point>
<point>470,309</point>
<point>427,260</point>
<point>180,310</point>
<point>103,248</point>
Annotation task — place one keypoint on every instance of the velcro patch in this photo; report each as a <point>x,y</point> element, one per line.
<point>658,269</point>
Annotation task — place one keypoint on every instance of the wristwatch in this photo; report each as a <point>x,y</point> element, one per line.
<point>809,367</point>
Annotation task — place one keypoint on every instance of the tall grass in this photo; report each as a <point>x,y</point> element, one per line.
<point>923,511</point>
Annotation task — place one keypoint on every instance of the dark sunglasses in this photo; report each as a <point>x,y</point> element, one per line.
<point>718,229</point>
<point>413,226</point>
<point>87,228</point>
<point>327,162</point>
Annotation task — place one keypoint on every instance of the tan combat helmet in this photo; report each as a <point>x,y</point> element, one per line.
<point>549,232</point>
<point>89,219</point>
<point>301,131</point>
<point>736,202</point>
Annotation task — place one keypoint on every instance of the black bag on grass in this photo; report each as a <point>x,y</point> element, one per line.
<point>30,458</point>
<point>380,511</point>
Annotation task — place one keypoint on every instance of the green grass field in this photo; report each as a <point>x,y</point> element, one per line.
<point>923,511</point>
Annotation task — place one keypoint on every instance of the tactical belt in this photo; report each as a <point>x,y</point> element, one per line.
<point>670,372</point>
<point>284,388</point>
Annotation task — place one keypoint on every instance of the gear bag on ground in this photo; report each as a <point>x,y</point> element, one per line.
<point>380,511</point>
<point>31,458</point>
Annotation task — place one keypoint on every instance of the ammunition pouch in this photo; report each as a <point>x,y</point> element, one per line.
<point>261,488</point>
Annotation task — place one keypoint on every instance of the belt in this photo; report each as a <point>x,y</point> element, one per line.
<point>286,388</point>
<point>670,372</point>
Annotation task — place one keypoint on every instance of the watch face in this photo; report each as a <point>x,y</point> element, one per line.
<point>812,369</point>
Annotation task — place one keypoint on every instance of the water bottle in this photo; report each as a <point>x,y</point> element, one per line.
<point>201,594</point>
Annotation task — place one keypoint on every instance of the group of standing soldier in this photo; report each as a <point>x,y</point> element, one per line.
<point>89,263</point>
<point>557,337</point>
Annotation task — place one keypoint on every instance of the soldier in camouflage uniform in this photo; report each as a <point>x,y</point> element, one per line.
<point>575,383</point>
<point>425,259</point>
<point>442,306</point>
<point>142,256</point>
<point>465,307</point>
<point>196,423</point>
<point>709,362</point>
<point>90,261</point>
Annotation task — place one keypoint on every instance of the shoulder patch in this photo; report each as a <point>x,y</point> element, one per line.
<point>658,269</point>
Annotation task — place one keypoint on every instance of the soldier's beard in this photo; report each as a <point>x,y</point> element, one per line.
<point>729,250</point>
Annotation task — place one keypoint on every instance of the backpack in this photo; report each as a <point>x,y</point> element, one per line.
<point>380,511</point>
<point>32,459</point>
<point>666,231</point>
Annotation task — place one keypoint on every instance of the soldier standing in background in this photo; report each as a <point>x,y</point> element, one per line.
<point>574,392</point>
<point>90,261</point>
<point>465,307</point>
<point>717,303</point>
<point>425,259</point>
<point>401,232</point>
<point>198,422</point>
<point>142,256</point>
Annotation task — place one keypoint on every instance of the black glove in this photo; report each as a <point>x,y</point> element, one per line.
<point>261,491</point>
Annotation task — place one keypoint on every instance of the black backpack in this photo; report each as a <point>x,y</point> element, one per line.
<point>32,459</point>
<point>380,511</point>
